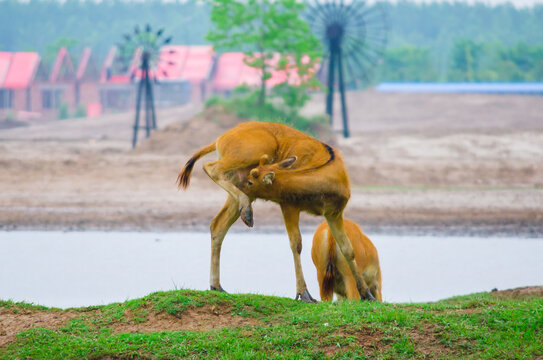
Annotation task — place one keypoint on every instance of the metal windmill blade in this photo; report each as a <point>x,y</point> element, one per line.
<point>354,35</point>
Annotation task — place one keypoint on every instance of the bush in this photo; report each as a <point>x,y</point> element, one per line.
<point>283,109</point>
<point>80,112</point>
<point>63,111</point>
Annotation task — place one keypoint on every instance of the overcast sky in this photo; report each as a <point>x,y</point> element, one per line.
<point>516,3</point>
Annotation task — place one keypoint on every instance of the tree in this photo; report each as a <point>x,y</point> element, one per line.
<point>408,63</point>
<point>51,50</point>
<point>465,59</point>
<point>271,34</point>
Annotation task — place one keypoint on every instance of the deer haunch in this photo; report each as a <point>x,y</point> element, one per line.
<point>333,273</point>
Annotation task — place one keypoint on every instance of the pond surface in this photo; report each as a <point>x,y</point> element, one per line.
<point>67,269</point>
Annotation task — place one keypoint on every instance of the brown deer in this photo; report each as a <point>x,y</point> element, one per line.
<point>333,272</point>
<point>275,162</point>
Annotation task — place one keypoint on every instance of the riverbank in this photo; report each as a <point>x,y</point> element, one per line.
<point>419,173</point>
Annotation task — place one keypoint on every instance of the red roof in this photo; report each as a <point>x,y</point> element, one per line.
<point>5,59</point>
<point>171,61</point>
<point>62,60</point>
<point>229,69</point>
<point>22,68</point>
<point>84,64</point>
<point>232,71</point>
<point>108,63</point>
<point>198,63</point>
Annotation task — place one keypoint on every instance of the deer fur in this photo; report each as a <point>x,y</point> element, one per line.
<point>275,162</point>
<point>333,273</point>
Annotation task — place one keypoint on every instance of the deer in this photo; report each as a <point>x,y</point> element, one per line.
<point>333,272</point>
<point>275,162</point>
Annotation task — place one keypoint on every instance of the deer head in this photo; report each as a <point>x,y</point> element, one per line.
<point>264,173</point>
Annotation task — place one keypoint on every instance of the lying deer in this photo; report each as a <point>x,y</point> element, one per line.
<point>333,272</point>
<point>296,171</point>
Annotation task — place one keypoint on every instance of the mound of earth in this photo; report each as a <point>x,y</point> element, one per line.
<point>184,137</point>
<point>520,293</point>
<point>15,320</point>
<point>187,136</point>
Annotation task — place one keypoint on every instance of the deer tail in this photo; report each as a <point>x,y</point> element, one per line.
<point>329,279</point>
<point>183,179</point>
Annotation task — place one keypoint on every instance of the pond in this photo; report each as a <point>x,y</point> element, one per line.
<point>68,269</point>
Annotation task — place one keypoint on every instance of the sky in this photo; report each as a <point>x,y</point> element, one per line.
<point>516,3</point>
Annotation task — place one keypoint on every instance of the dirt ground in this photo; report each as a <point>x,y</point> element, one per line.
<point>462,164</point>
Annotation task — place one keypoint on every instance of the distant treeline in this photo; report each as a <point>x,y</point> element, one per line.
<point>427,42</point>
<point>467,61</point>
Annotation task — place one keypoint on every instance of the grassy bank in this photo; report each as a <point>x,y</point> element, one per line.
<point>194,324</point>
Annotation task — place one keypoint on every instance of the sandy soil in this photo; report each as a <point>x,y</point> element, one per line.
<point>464,164</point>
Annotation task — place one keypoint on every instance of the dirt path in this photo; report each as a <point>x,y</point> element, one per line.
<point>78,175</point>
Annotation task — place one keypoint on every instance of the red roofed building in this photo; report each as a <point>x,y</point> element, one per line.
<point>5,94</point>
<point>116,90</point>
<point>197,70</point>
<point>17,73</point>
<point>232,71</point>
<point>87,77</point>
<point>60,86</point>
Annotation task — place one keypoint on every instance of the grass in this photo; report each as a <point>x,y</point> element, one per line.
<point>479,326</point>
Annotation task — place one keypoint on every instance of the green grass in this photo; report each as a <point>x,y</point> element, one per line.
<point>479,326</point>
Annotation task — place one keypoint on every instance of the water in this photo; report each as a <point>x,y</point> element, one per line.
<point>67,269</point>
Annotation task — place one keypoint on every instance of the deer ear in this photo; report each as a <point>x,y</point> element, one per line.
<point>254,173</point>
<point>268,178</point>
<point>285,164</point>
<point>264,160</point>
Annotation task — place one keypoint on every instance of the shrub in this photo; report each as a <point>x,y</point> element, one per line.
<point>80,112</point>
<point>63,111</point>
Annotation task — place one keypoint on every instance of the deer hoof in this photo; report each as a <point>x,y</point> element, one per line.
<point>247,215</point>
<point>220,289</point>
<point>368,296</point>
<point>306,297</point>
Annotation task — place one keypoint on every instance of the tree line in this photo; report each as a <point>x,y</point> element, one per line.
<point>427,42</point>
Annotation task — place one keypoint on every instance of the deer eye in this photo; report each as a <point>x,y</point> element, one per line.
<point>249,183</point>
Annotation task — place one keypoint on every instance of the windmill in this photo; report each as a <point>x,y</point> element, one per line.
<point>354,36</point>
<point>144,46</point>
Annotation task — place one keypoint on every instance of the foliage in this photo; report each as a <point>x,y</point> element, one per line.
<point>80,111</point>
<point>244,103</point>
<point>51,50</point>
<point>481,326</point>
<point>271,34</point>
<point>408,63</point>
<point>63,112</point>
<point>10,116</point>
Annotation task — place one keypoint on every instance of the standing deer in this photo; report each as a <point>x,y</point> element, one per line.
<point>275,162</point>
<point>333,272</point>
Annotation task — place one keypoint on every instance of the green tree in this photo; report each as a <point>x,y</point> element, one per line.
<point>465,58</point>
<point>51,50</point>
<point>263,30</point>
<point>408,63</point>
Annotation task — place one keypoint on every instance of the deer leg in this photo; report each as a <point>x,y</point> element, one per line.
<point>219,227</point>
<point>214,171</point>
<point>337,228</point>
<point>291,216</point>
